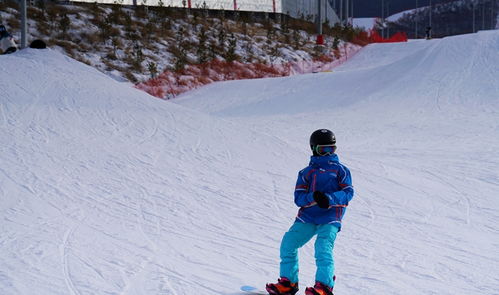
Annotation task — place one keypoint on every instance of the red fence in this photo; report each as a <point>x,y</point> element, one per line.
<point>169,83</point>
<point>364,38</point>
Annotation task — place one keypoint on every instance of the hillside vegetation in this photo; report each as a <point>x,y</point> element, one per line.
<point>138,43</point>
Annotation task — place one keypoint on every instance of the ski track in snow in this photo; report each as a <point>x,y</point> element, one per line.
<point>105,190</point>
<point>65,247</point>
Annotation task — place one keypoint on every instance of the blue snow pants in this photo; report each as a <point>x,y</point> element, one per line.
<point>297,236</point>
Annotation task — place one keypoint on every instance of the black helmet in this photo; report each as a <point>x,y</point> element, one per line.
<point>322,137</point>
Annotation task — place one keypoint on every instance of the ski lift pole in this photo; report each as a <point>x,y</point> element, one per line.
<point>347,12</point>
<point>416,20</point>
<point>320,38</point>
<point>24,25</point>
<point>388,15</point>
<point>431,14</point>
<point>353,16</point>
<point>341,12</point>
<point>382,19</point>
<point>483,15</point>
<point>473,7</point>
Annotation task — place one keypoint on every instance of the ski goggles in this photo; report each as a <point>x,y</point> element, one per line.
<point>323,150</point>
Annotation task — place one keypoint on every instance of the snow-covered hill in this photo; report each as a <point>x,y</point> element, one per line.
<point>106,190</point>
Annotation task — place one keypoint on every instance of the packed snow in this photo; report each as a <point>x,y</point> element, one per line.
<point>107,190</point>
<point>395,17</point>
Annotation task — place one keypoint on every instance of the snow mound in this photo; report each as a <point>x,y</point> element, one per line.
<point>105,189</point>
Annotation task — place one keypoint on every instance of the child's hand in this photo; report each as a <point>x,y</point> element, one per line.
<point>321,199</point>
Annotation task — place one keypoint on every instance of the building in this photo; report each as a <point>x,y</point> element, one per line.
<point>306,9</point>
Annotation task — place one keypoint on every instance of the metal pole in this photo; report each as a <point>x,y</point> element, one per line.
<point>352,12</point>
<point>492,14</point>
<point>341,12</point>
<point>24,25</point>
<point>483,15</point>
<point>492,8</point>
<point>320,40</point>
<point>319,17</point>
<point>388,14</point>
<point>326,18</point>
<point>347,12</point>
<point>473,7</point>
<point>383,18</point>
<point>431,12</point>
<point>416,20</point>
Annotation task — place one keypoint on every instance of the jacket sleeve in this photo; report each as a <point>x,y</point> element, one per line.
<point>345,194</point>
<point>302,195</point>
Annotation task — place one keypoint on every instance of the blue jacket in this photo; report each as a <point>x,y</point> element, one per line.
<point>325,174</point>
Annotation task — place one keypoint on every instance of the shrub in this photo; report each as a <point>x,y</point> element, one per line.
<point>152,67</point>
<point>297,40</point>
<point>36,14</point>
<point>231,55</point>
<point>130,77</point>
<point>64,24</point>
<point>116,43</point>
<point>138,57</point>
<point>179,50</point>
<point>202,50</point>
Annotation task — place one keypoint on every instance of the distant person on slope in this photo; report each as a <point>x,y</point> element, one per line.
<point>7,44</point>
<point>428,33</point>
<point>322,192</point>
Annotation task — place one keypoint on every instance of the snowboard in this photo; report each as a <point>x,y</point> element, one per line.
<point>253,290</point>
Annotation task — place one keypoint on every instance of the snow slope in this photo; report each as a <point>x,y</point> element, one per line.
<point>418,123</point>
<point>106,190</point>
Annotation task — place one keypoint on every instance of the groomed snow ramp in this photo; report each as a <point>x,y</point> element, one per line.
<point>107,190</point>
<point>459,71</point>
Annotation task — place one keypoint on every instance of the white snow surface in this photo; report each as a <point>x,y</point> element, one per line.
<point>368,23</point>
<point>106,190</point>
<point>395,17</point>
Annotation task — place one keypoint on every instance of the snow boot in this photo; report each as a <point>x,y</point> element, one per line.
<point>283,287</point>
<point>319,289</point>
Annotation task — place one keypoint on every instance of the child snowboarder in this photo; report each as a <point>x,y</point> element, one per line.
<point>322,192</point>
<point>7,44</point>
